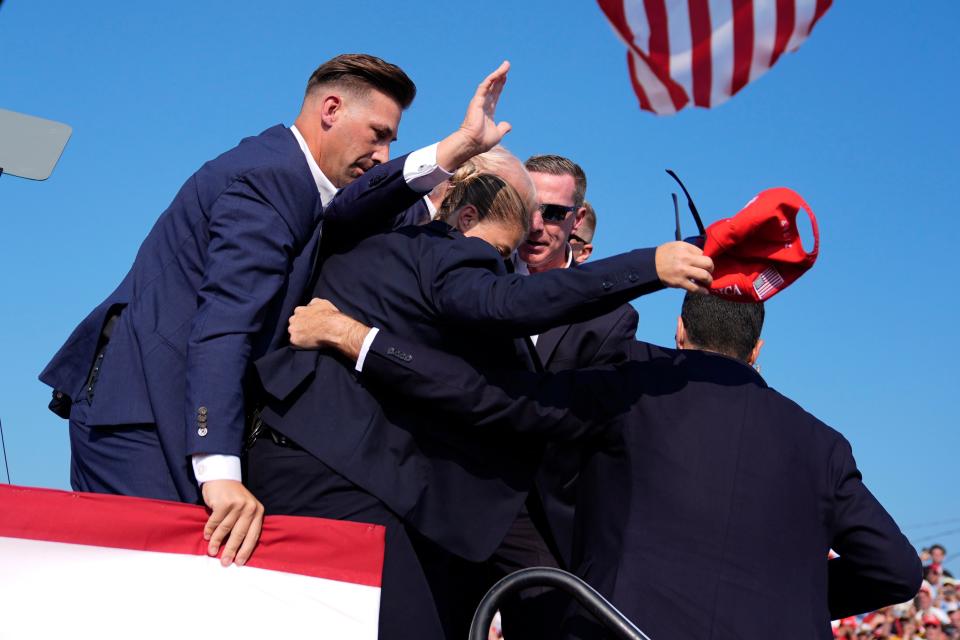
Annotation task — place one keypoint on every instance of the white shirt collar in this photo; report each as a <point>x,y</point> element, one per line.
<point>568,250</point>
<point>324,186</point>
<point>430,206</point>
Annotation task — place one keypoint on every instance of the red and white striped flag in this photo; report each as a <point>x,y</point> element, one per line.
<point>80,565</point>
<point>705,51</point>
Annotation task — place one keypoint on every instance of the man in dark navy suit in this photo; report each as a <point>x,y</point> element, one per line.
<point>708,501</point>
<point>153,379</point>
<point>561,189</point>
<point>330,449</point>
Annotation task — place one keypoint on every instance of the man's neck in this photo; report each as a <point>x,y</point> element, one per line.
<point>309,133</point>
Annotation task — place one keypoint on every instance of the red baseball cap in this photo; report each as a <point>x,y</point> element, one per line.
<point>757,253</point>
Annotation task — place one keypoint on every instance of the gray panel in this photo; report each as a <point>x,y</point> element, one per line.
<point>30,146</point>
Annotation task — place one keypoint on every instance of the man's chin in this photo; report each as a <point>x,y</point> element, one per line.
<point>532,255</point>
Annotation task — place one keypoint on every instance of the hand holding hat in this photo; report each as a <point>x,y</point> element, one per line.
<point>758,252</point>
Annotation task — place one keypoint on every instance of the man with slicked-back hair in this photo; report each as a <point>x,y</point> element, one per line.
<point>152,381</point>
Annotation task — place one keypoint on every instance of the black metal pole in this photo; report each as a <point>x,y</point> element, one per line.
<point>3,445</point>
<point>615,622</point>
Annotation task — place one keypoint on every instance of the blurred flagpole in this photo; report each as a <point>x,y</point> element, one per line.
<point>3,444</point>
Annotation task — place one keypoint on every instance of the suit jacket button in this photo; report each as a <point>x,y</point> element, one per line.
<point>408,358</point>
<point>607,285</point>
<point>202,411</point>
<point>633,277</point>
<point>202,431</point>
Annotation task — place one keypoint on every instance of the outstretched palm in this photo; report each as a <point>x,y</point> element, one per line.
<point>479,126</point>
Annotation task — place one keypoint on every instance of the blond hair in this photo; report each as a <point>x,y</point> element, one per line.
<point>497,161</point>
<point>494,199</point>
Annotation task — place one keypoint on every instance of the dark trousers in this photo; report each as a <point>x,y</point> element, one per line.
<point>290,481</point>
<point>126,460</point>
<point>458,585</point>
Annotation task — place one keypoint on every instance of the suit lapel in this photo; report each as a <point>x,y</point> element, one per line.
<point>547,342</point>
<point>528,351</point>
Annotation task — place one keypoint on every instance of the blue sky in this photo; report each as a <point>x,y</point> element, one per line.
<point>861,122</point>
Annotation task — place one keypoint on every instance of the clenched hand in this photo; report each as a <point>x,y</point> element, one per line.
<point>683,265</point>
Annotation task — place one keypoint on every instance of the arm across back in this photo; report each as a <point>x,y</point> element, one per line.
<point>562,406</point>
<point>466,288</point>
<point>386,197</point>
<point>877,565</point>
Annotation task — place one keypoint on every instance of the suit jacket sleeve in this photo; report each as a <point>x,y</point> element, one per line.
<point>249,252</point>
<point>377,202</point>
<point>877,565</point>
<point>465,287</point>
<point>561,406</point>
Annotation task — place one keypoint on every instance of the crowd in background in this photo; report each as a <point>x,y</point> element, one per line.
<point>934,614</point>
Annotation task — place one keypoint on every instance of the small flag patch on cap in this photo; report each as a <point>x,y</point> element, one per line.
<point>767,283</point>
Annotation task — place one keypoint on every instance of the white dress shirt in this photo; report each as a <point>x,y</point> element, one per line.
<point>422,173</point>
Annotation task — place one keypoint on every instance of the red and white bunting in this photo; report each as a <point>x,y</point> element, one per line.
<point>79,565</point>
<point>705,51</point>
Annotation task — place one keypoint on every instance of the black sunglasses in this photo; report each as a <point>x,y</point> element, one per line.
<point>693,210</point>
<point>555,212</point>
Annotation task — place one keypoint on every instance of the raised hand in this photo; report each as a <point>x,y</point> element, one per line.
<point>479,131</point>
<point>479,127</point>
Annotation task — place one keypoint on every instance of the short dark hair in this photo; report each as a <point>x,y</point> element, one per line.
<point>938,546</point>
<point>715,324</point>
<point>361,72</point>
<point>560,166</point>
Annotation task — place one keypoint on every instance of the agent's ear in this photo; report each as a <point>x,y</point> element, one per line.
<point>681,335</point>
<point>467,218</point>
<point>585,253</point>
<point>756,352</point>
<point>330,109</point>
<point>578,219</point>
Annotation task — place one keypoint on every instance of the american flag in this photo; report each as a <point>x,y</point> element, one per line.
<point>767,283</point>
<point>705,50</point>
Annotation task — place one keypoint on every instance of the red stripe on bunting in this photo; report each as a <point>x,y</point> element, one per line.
<point>822,6</point>
<point>637,87</point>
<point>786,17</point>
<point>742,44</point>
<point>659,58</point>
<point>702,62</point>
<point>616,13</point>
<point>331,549</point>
<point>659,35</point>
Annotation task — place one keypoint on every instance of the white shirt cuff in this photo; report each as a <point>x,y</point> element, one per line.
<point>215,466</point>
<point>365,347</point>
<point>421,170</point>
